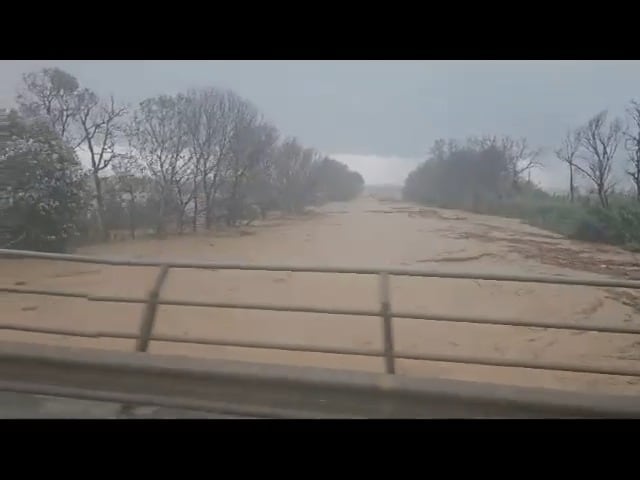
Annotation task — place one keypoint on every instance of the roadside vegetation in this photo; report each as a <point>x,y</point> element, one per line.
<point>75,166</point>
<point>490,175</point>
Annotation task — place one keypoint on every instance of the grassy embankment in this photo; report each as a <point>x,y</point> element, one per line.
<point>583,219</point>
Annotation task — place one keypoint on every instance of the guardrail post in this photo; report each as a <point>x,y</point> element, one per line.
<point>149,314</point>
<point>387,330</point>
<point>148,320</point>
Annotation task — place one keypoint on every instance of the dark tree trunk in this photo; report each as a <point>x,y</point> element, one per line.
<point>572,187</point>
<point>104,234</point>
<point>604,201</point>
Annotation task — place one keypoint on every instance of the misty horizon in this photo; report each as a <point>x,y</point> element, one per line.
<point>223,220</point>
<point>381,117</point>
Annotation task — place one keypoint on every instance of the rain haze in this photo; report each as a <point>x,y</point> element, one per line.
<point>453,175</point>
<point>381,117</point>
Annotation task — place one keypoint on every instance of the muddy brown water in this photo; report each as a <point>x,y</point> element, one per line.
<point>370,233</point>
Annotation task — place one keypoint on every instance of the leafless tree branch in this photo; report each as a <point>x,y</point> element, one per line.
<point>599,142</point>
<point>632,145</point>
<point>567,153</point>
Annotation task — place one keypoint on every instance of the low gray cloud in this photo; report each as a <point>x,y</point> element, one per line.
<point>389,111</point>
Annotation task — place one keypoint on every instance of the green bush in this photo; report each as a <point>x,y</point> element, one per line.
<point>42,196</point>
<point>618,225</point>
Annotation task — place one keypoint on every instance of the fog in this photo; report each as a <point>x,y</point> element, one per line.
<point>409,167</point>
<point>383,115</point>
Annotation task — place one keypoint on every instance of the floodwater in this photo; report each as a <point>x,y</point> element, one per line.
<point>365,233</point>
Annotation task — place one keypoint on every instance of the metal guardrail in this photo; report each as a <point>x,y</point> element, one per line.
<point>276,391</point>
<point>385,313</point>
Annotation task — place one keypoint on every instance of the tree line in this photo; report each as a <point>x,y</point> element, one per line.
<point>590,151</point>
<point>179,162</point>
<point>466,174</point>
<point>491,174</point>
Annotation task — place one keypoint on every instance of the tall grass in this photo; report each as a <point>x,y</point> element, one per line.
<point>580,220</point>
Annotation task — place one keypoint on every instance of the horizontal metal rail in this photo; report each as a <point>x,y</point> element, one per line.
<point>398,355</point>
<point>385,313</point>
<point>330,311</point>
<point>240,388</point>
<point>194,340</point>
<point>553,366</point>
<point>319,269</point>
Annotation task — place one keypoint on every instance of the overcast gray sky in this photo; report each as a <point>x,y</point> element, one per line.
<point>382,116</point>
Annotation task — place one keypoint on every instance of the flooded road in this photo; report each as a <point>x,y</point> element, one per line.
<point>364,233</point>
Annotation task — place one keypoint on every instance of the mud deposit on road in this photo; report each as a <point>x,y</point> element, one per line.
<point>369,233</point>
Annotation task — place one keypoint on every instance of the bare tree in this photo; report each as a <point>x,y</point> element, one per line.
<point>260,183</point>
<point>209,125</point>
<point>249,153</point>
<point>600,142</point>
<point>50,94</point>
<point>130,181</point>
<point>200,134</point>
<point>157,136</point>
<point>567,153</point>
<point>100,125</point>
<point>520,158</point>
<point>292,169</point>
<point>203,123</point>
<point>632,144</point>
<point>481,143</point>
